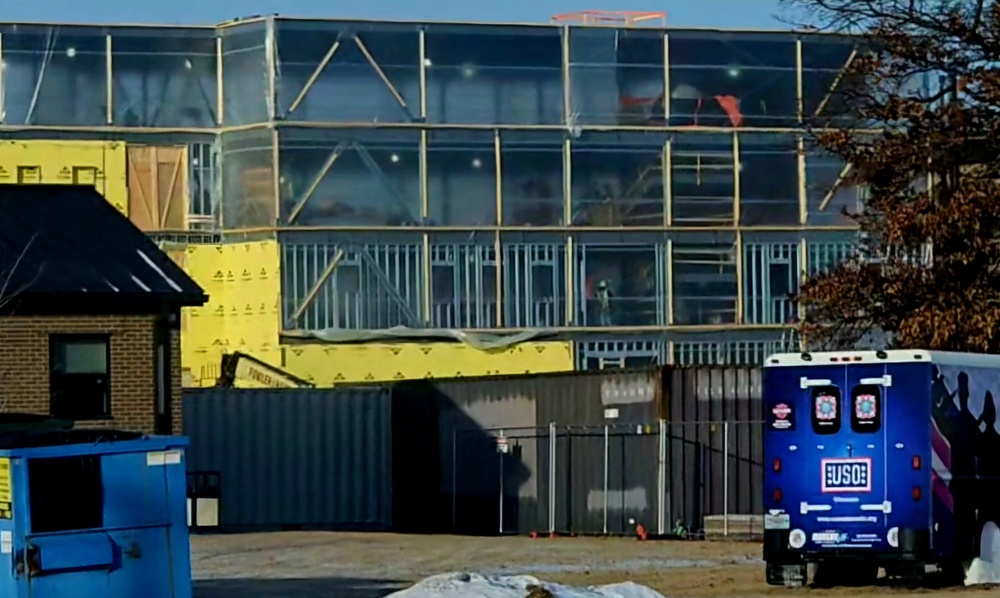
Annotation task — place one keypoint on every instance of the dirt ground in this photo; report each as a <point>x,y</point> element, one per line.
<point>342,565</point>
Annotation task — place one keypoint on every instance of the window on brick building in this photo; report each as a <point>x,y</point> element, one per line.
<point>79,379</point>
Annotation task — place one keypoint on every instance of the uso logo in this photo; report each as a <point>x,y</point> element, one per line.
<point>846,475</point>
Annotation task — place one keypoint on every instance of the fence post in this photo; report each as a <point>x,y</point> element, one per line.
<point>606,460</point>
<point>500,456</point>
<point>552,477</point>
<point>454,480</point>
<point>725,479</point>
<point>661,480</point>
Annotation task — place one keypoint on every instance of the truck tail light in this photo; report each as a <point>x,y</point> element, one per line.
<point>777,465</point>
<point>916,461</point>
<point>916,493</point>
<point>777,495</point>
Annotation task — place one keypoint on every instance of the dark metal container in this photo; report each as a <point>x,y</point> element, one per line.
<point>295,458</point>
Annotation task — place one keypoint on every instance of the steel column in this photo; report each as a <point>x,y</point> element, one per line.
<point>271,63</point>
<point>799,95</point>
<point>220,87</point>
<point>666,77</point>
<point>109,84</point>
<point>567,97</point>
<point>423,74</point>
<point>803,191</point>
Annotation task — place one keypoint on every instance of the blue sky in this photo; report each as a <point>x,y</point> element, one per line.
<point>682,13</point>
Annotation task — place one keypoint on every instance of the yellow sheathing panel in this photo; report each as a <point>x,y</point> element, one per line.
<point>98,163</point>
<point>243,287</point>
<point>328,365</point>
<point>243,284</point>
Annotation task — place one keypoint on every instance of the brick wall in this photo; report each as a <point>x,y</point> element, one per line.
<point>24,367</point>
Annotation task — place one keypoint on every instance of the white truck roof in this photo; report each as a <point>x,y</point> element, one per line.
<point>980,360</point>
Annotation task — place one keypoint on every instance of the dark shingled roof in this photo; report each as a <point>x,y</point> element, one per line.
<point>67,243</point>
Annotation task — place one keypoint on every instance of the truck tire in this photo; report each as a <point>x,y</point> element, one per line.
<point>788,576</point>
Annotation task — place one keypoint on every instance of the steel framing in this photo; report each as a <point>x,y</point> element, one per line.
<point>412,298</point>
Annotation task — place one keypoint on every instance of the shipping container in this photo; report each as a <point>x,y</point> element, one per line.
<point>158,186</point>
<point>295,458</point>
<point>715,449</point>
<point>600,417</point>
<point>582,452</point>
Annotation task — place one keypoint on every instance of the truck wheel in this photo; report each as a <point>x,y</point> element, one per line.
<point>789,576</point>
<point>909,574</point>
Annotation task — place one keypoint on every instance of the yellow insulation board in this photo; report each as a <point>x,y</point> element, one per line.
<point>329,365</point>
<point>242,314</point>
<point>98,163</point>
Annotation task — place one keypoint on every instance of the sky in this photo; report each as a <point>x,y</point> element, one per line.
<point>744,14</point>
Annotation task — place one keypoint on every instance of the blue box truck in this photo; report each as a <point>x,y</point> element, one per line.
<point>876,459</point>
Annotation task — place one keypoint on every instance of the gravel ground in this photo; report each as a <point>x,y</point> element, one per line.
<point>342,565</point>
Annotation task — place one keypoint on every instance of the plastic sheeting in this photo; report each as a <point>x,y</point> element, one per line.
<point>479,340</point>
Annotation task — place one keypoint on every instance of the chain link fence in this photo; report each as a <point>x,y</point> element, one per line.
<point>693,478</point>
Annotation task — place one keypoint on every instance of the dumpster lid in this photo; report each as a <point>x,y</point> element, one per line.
<point>34,439</point>
<point>31,422</point>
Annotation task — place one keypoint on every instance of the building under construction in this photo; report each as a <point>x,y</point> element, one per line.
<point>603,189</point>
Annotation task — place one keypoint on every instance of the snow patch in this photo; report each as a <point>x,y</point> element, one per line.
<point>982,572</point>
<point>473,585</point>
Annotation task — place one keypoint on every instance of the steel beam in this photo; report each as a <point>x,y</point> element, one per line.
<point>836,82</point>
<point>498,274</point>
<point>799,84</point>
<point>498,187</point>
<point>276,174</point>
<point>844,173</point>
<point>315,76</point>
<point>425,209</point>
<point>569,268</point>
<point>109,85</point>
<point>567,183</point>
<point>566,78</point>
<point>425,280</point>
<point>668,183</point>
<point>737,181</point>
<point>670,282</point>
<point>666,77</point>
<point>423,74</point>
<point>271,63</point>
<point>376,269</point>
<point>589,128</point>
<point>338,150</point>
<point>376,170</point>
<point>385,79</point>
<point>740,283</point>
<point>310,297</point>
<point>802,188</point>
<point>220,87</point>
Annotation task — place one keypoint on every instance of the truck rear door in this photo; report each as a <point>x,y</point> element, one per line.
<point>847,502</point>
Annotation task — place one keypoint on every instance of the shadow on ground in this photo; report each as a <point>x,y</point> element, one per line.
<point>329,587</point>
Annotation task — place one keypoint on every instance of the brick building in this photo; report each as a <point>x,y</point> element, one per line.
<point>89,313</point>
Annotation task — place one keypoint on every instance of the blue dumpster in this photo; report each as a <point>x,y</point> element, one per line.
<point>87,513</point>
